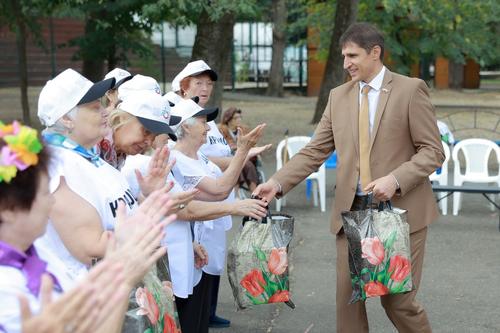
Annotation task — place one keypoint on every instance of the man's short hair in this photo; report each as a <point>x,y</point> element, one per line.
<point>365,36</point>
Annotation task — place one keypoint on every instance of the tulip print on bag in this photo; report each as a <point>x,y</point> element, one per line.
<point>372,250</point>
<point>257,262</point>
<point>156,303</point>
<point>269,283</point>
<point>147,305</point>
<point>253,282</point>
<point>379,252</point>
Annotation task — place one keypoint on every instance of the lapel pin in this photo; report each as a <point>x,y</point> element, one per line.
<point>385,90</point>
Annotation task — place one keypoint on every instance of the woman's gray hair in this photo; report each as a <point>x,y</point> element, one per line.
<point>58,126</point>
<point>180,132</point>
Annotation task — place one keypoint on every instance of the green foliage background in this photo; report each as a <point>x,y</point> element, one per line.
<point>416,29</point>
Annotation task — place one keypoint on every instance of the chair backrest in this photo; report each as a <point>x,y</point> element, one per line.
<point>476,153</point>
<point>294,144</point>
<point>443,175</point>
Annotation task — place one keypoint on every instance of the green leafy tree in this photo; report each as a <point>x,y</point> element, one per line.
<point>424,29</point>
<point>113,29</point>
<point>22,17</point>
<point>214,34</point>
<point>345,15</point>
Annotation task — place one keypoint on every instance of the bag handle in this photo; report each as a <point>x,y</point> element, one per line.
<point>381,205</point>
<point>268,213</point>
<point>264,219</point>
<point>384,204</point>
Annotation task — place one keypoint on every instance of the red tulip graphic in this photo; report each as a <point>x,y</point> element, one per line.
<point>147,305</point>
<point>253,282</point>
<point>279,297</point>
<point>399,268</point>
<point>375,288</point>
<point>169,325</point>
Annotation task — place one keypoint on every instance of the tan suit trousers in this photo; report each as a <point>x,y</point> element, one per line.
<point>403,310</point>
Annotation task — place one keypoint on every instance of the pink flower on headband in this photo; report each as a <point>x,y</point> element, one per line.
<point>8,157</point>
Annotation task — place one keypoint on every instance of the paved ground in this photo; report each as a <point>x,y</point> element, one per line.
<point>459,288</point>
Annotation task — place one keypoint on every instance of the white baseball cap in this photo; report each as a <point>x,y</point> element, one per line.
<point>152,110</point>
<point>192,69</point>
<point>172,98</point>
<point>120,76</point>
<point>65,91</point>
<point>136,84</point>
<point>187,108</point>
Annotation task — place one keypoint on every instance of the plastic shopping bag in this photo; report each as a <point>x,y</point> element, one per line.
<point>379,251</point>
<point>152,306</point>
<point>257,262</point>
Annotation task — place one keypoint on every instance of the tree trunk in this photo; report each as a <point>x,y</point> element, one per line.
<point>22,59</point>
<point>456,75</point>
<point>279,13</point>
<point>213,44</point>
<point>92,67</point>
<point>345,15</point>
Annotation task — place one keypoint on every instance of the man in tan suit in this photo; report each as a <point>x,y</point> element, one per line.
<point>384,130</point>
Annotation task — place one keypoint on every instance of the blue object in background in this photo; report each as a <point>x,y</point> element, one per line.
<point>309,186</point>
<point>330,163</point>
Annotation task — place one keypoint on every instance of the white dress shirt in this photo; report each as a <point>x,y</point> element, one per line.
<point>373,94</point>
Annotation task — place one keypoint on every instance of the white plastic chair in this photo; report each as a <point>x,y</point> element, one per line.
<point>476,153</point>
<point>442,179</point>
<point>294,144</point>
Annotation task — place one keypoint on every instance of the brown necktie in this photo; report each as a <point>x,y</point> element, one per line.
<point>364,139</point>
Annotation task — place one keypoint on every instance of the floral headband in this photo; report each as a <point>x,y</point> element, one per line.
<point>20,151</point>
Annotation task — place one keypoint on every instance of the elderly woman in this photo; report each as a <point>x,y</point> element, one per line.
<point>195,170</point>
<point>196,80</point>
<point>87,189</point>
<point>29,272</point>
<point>135,135</point>
<point>231,121</point>
<point>182,259</point>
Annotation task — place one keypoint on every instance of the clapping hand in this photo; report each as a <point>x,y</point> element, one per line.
<point>139,235</point>
<point>158,169</point>
<point>149,213</point>
<point>254,151</point>
<point>82,309</point>
<point>250,139</point>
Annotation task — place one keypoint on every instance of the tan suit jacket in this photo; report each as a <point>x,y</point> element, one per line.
<point>404,141</point>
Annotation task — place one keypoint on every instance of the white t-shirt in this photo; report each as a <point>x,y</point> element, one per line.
<point>216,144</point>
<point>212,234</point>
<point>178,239</point>
<point>13,282</point>
<point>103,187</point>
